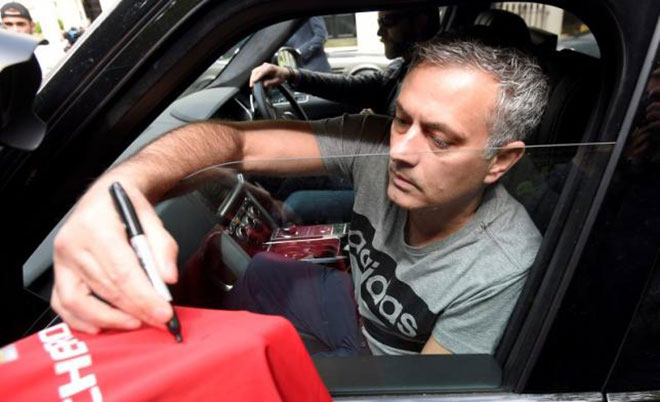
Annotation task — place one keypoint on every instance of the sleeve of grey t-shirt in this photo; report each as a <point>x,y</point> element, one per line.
<point>346,141</point>
<point>475,325</point>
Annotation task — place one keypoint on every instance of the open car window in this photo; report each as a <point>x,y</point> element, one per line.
<point>310,219</point>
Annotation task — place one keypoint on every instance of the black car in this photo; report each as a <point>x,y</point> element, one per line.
<point>587,324</point>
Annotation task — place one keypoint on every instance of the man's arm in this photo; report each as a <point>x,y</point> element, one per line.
<point>364,90</point>
<point>92,255</point>
<point>432,347</point>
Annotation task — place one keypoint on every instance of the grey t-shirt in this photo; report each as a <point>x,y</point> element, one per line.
<point>460,290</point>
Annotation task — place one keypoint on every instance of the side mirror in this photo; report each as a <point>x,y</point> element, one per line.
<point>287,57</point>
<point>20,77</point>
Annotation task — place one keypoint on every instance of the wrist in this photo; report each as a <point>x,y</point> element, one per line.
<point>132,177</point>
<point>293,77</point>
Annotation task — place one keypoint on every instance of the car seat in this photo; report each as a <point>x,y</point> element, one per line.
<point>574,80</point>
<point>537,180</point>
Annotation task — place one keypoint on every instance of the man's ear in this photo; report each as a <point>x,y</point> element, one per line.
<point>506,157</point>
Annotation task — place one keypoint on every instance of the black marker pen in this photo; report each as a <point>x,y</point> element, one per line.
<point>141,247</point>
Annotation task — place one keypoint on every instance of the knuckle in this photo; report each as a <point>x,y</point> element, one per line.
<point>119,273</point>
<point>172,245</point>
<point>55,303</point>
<point>112,296</point>
<point>61,240</point>
<point>67,301</point>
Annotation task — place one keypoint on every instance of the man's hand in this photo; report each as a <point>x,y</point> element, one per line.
<point>269,74</point>
<point>92,253</point>
<point>93,257</point>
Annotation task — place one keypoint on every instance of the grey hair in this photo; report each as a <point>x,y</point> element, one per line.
<point>523,88</point>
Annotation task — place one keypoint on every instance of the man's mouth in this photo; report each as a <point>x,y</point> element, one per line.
<point>401,181</point>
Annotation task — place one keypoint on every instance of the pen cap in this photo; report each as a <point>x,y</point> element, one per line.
<point>125,209</point>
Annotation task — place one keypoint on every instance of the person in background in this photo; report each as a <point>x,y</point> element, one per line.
<point>16,18</point>
<point>71,35</point>
<point>399,30</point>
<point>308,41</point>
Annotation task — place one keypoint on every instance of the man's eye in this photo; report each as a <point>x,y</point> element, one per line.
<point>400,122</point>
<point>439,142</point>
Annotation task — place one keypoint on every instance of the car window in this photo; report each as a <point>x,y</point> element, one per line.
<point>631,218</point>
<point>329,220</point>
<point>280,205</point>
<point>225,219</point>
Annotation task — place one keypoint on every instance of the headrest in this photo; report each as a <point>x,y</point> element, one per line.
<point>503,28</point>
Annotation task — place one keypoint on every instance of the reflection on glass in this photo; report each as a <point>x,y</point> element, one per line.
<point>282,247</point>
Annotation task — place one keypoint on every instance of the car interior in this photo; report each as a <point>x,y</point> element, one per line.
<point>221,218</point>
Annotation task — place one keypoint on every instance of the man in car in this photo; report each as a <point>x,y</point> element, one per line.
<point>399,30</point>
<point>439,250</point>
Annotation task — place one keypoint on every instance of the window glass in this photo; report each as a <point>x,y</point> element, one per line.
<point>364,226</point>
<point>634,239</point>
<point>570,31</point>
<point>341,26</point>
<point>358,219</point>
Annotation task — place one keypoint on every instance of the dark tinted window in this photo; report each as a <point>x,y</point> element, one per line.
<point>638,243</point>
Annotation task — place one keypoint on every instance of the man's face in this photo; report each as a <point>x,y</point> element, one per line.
<point>17,24</point>
<point>437,138</point>
<point>396,32</point>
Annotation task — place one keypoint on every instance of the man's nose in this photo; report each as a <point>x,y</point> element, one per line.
<point>381,31</point>
<point>405,147</point>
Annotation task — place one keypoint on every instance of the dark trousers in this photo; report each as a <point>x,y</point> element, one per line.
<point>317,300</point>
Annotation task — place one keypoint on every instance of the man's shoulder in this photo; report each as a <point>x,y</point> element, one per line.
<point>509,227</point>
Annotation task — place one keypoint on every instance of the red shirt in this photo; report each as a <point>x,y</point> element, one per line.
<point>226,355</point>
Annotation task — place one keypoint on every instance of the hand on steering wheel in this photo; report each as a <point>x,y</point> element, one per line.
<point>265,107</point>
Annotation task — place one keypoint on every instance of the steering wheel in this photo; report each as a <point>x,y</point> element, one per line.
<point>265,107</point>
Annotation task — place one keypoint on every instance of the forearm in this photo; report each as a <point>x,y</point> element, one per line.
<point>162,164</point>
<point>361,90</point>
<point>276,147</point>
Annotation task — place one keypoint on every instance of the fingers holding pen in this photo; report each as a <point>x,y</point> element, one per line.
<point>84,312</point>
<point>130,289</point>
<point>93,256</point>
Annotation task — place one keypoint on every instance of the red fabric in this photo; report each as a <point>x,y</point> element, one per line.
<point>229,356</point>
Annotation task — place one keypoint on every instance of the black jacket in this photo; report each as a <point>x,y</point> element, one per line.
<point>375,90</point>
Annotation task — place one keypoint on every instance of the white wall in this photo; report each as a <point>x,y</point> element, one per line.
<point>107,4</point>
<point>366,25</point>
<point>72,13</point>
